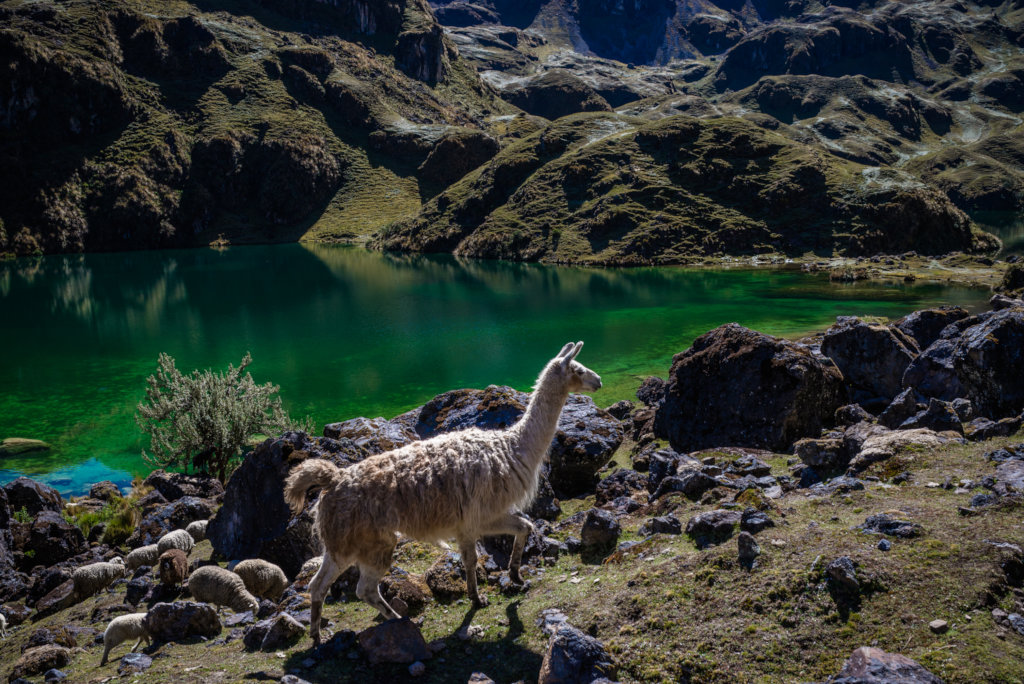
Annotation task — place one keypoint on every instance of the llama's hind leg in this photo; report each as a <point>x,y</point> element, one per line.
<point>318,586</point>
<point>468,550</point>
<point>373,565</point>
<point>513,523</point>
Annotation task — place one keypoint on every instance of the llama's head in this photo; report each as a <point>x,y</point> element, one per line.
<point>573,374</point>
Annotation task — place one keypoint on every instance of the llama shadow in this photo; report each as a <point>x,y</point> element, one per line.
<point>500,657</point>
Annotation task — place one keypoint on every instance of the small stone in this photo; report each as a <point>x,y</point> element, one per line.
<point>884,544</point>
<point>470,632</point>
<point>417,669</point>
<point>748,550</point>
<point>938,626</point>
<point>54,675</point>
<point>134,663</point>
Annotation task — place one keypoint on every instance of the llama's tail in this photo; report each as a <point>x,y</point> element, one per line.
<point>314,472</point>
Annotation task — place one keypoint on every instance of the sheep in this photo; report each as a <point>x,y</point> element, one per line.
<point>262,578</point>
<point>461,484</point>
<point>144,555</point>
<point>309,568</point>
<point>178,539</point>
<point>3,626</point>
<point>173,567</point>
<point>92,578</point>
<point>221,587</point>
<point>121,629</point>
<point>197,529</point>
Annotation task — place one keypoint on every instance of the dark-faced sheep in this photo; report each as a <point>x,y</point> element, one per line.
<point>464,484</point>
<point>262,578</point>
<point>213,584</point>
<point>173,567</point>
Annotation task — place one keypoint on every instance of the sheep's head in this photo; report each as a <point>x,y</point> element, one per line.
<point>574,374</point>
<point>254,605</point>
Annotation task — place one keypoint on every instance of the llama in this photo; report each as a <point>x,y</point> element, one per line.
<point>464,484</point>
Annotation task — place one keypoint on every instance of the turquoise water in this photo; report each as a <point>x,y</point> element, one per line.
<point>346,332</point>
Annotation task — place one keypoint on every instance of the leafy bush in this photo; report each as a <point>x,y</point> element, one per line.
<point>22,515</point>
<point>205,419</point>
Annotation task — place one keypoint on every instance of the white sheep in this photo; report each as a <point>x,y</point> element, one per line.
<point>463,484</point>
<point>3,626</point>
<point>197,529</point>
<point>92,578</point>
<point>178,539</point>
<point>262,578</point>
<point>213,584</point>
<point>121,629</point>
<point>144,555</point>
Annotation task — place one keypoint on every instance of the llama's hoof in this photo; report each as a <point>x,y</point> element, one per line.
<point>515,576</point>
<point>317,641</point>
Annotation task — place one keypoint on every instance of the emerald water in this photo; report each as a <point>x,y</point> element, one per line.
<point>346,332</point>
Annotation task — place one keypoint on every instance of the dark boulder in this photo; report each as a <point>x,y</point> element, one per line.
<point>620,410</point>
<point>989,360</point>
<point>662,463</point>
<point>104,491</point>
<point>712,527</point>
<point>869,665</point>
<point>692,483</point>
<point>38,660</point>
<point>981,429</point>
<point>939,416</point>
<point>926,325</point>
<point>181,620</point>
<point>652,390</point>
<point>545,504</point>
<point>254,520</point>
<point>823,455</point>
<point>667,524</point>
<point>137,590</point>
<point>393,641</point>
<point>56,600</point>
<point>42,636</point>
<point>887,525</point>
<point>52,539</point>
<point>273,633</point>
<point>754,521</point>
<point>173,486</point>
<point>738,387</point>
<point>34,497</point>
<point>872,358</point>
<point>46,580</point>
<point>375,435</point>
<point>600,532</point>
<point>623,482</point>
<point>851,414</point>
<point>574,656</point>
<point>747,550</point>
<point>932,373</point>
<point>175,515</point>
<point>899,410</point>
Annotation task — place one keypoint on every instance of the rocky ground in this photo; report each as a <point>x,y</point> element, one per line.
<point>841,508</point>
<point>655,131</point>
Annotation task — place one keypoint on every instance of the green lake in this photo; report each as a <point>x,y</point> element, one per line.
<point>346,332</point>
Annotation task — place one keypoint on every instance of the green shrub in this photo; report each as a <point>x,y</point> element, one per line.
<point>121,516</point>
<point>23,516</point>
<point>204,420</point>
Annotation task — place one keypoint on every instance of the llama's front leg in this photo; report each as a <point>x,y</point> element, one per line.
<point>468,551</point>
<point>318,587</point>
<point>515,524</point>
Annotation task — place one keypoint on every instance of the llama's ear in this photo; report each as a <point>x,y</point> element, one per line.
<point>565,350</point>
<point>568,357</point>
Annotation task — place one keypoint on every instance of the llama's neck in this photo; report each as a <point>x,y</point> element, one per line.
<point>535,430</point>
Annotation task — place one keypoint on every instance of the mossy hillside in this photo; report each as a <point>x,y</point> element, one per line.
<point>611,188</point>
<point>668,611</point>
<point>280,110</point>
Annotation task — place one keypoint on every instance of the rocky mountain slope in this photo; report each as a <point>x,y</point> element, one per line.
<point>695,128</point>
<point>151,124</point>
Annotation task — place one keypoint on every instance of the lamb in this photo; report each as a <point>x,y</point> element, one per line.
<point>262,578</point>
<point>197,529</point>
<point>121,629</point>
<point>173,567</point>
<point>92,578</point>
<point>144,555</point>
<point>178,539</point>
<point>221,587</point>
<point>462,484</point>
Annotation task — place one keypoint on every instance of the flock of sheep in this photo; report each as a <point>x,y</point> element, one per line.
<point>237,589</point>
